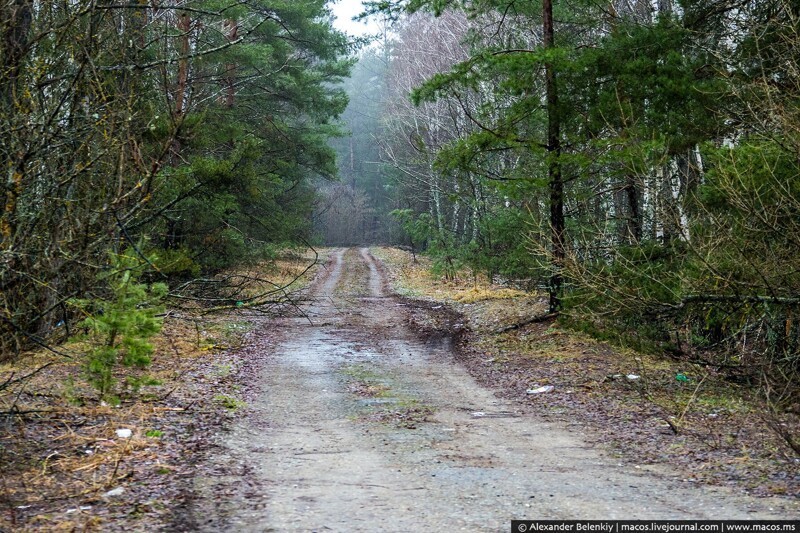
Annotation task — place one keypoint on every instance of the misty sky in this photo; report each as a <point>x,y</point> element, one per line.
<point>345,10</point>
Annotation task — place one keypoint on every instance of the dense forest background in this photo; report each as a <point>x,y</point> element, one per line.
<point>638,161</point>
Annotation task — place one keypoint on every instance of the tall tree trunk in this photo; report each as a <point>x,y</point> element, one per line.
<point>554,164</point>
<point>16,24</point>
<point>232,33</point>
<point>456,213</point>
<point>184,25</point>
<point>620,219</point>
<point>634,218</point>
<point>181,84</point>
<point>352,166</point>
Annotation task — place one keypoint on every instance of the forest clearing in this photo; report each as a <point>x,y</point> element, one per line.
<point>262,268</point>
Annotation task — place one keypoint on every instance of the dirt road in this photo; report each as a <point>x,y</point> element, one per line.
<point>359,424</point>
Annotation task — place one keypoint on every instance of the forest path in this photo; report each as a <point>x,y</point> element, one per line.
<point>360,424</point>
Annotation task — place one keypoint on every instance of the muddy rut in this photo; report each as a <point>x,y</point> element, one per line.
<point>357,423</point>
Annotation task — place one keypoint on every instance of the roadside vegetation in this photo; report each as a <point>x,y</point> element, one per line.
<point>119,454</point>
<point>652,411</point>
<point>603,189</point>
<point>630,166</point>
<point>159,167</point>
<point>162,143</point>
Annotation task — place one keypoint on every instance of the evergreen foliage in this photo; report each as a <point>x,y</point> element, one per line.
<point>197,127</point>
<point>665,136</point>
<point>120,324</point>
<point>639,161</point>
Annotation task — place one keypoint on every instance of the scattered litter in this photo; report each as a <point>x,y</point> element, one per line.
<point>81,508</point>
<point>436,307</point>
<point>540,390</point>
<point>682,377</point>
<point>115,492</point>
<point>23,506</point>
<point>632,377</point>
<point>478,414</point>
<point>89,451</point>
<point>124,433</point>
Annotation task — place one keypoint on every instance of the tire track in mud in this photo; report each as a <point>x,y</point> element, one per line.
<point>359,424</point>
<point>376,282</point>
<point>326,285</point>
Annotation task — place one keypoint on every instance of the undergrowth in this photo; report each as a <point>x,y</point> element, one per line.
<point>621,381</point>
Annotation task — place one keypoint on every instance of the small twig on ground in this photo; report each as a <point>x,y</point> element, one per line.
<point>15,412</point>
<point>676,426</point>
<point>534,320</point>
<point>116,467</point>
<point>21,390</point>
<point>10,382</point>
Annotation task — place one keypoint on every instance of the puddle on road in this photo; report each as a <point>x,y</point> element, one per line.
<point>318,349</point>
<point>379,401</point>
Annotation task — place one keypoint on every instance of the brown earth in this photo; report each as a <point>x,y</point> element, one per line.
<point>709,429</point>
<point>365,410</point>
<point>63,467</point>
<point>359,422</point>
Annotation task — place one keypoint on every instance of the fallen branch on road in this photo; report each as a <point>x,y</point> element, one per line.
<point>534,320</point>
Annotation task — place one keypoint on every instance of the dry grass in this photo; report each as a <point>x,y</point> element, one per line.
<point>288,271</point>
<point>60,453</point>
<point>415,279</point>
<point>706,428</point>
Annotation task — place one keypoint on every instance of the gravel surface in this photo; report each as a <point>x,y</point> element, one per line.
<point>357,422</point>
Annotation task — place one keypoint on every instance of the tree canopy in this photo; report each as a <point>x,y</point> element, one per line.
<point>636,159</point>
<point>190,133</point>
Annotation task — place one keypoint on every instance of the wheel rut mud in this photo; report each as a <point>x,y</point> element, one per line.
<point>359,423</point>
